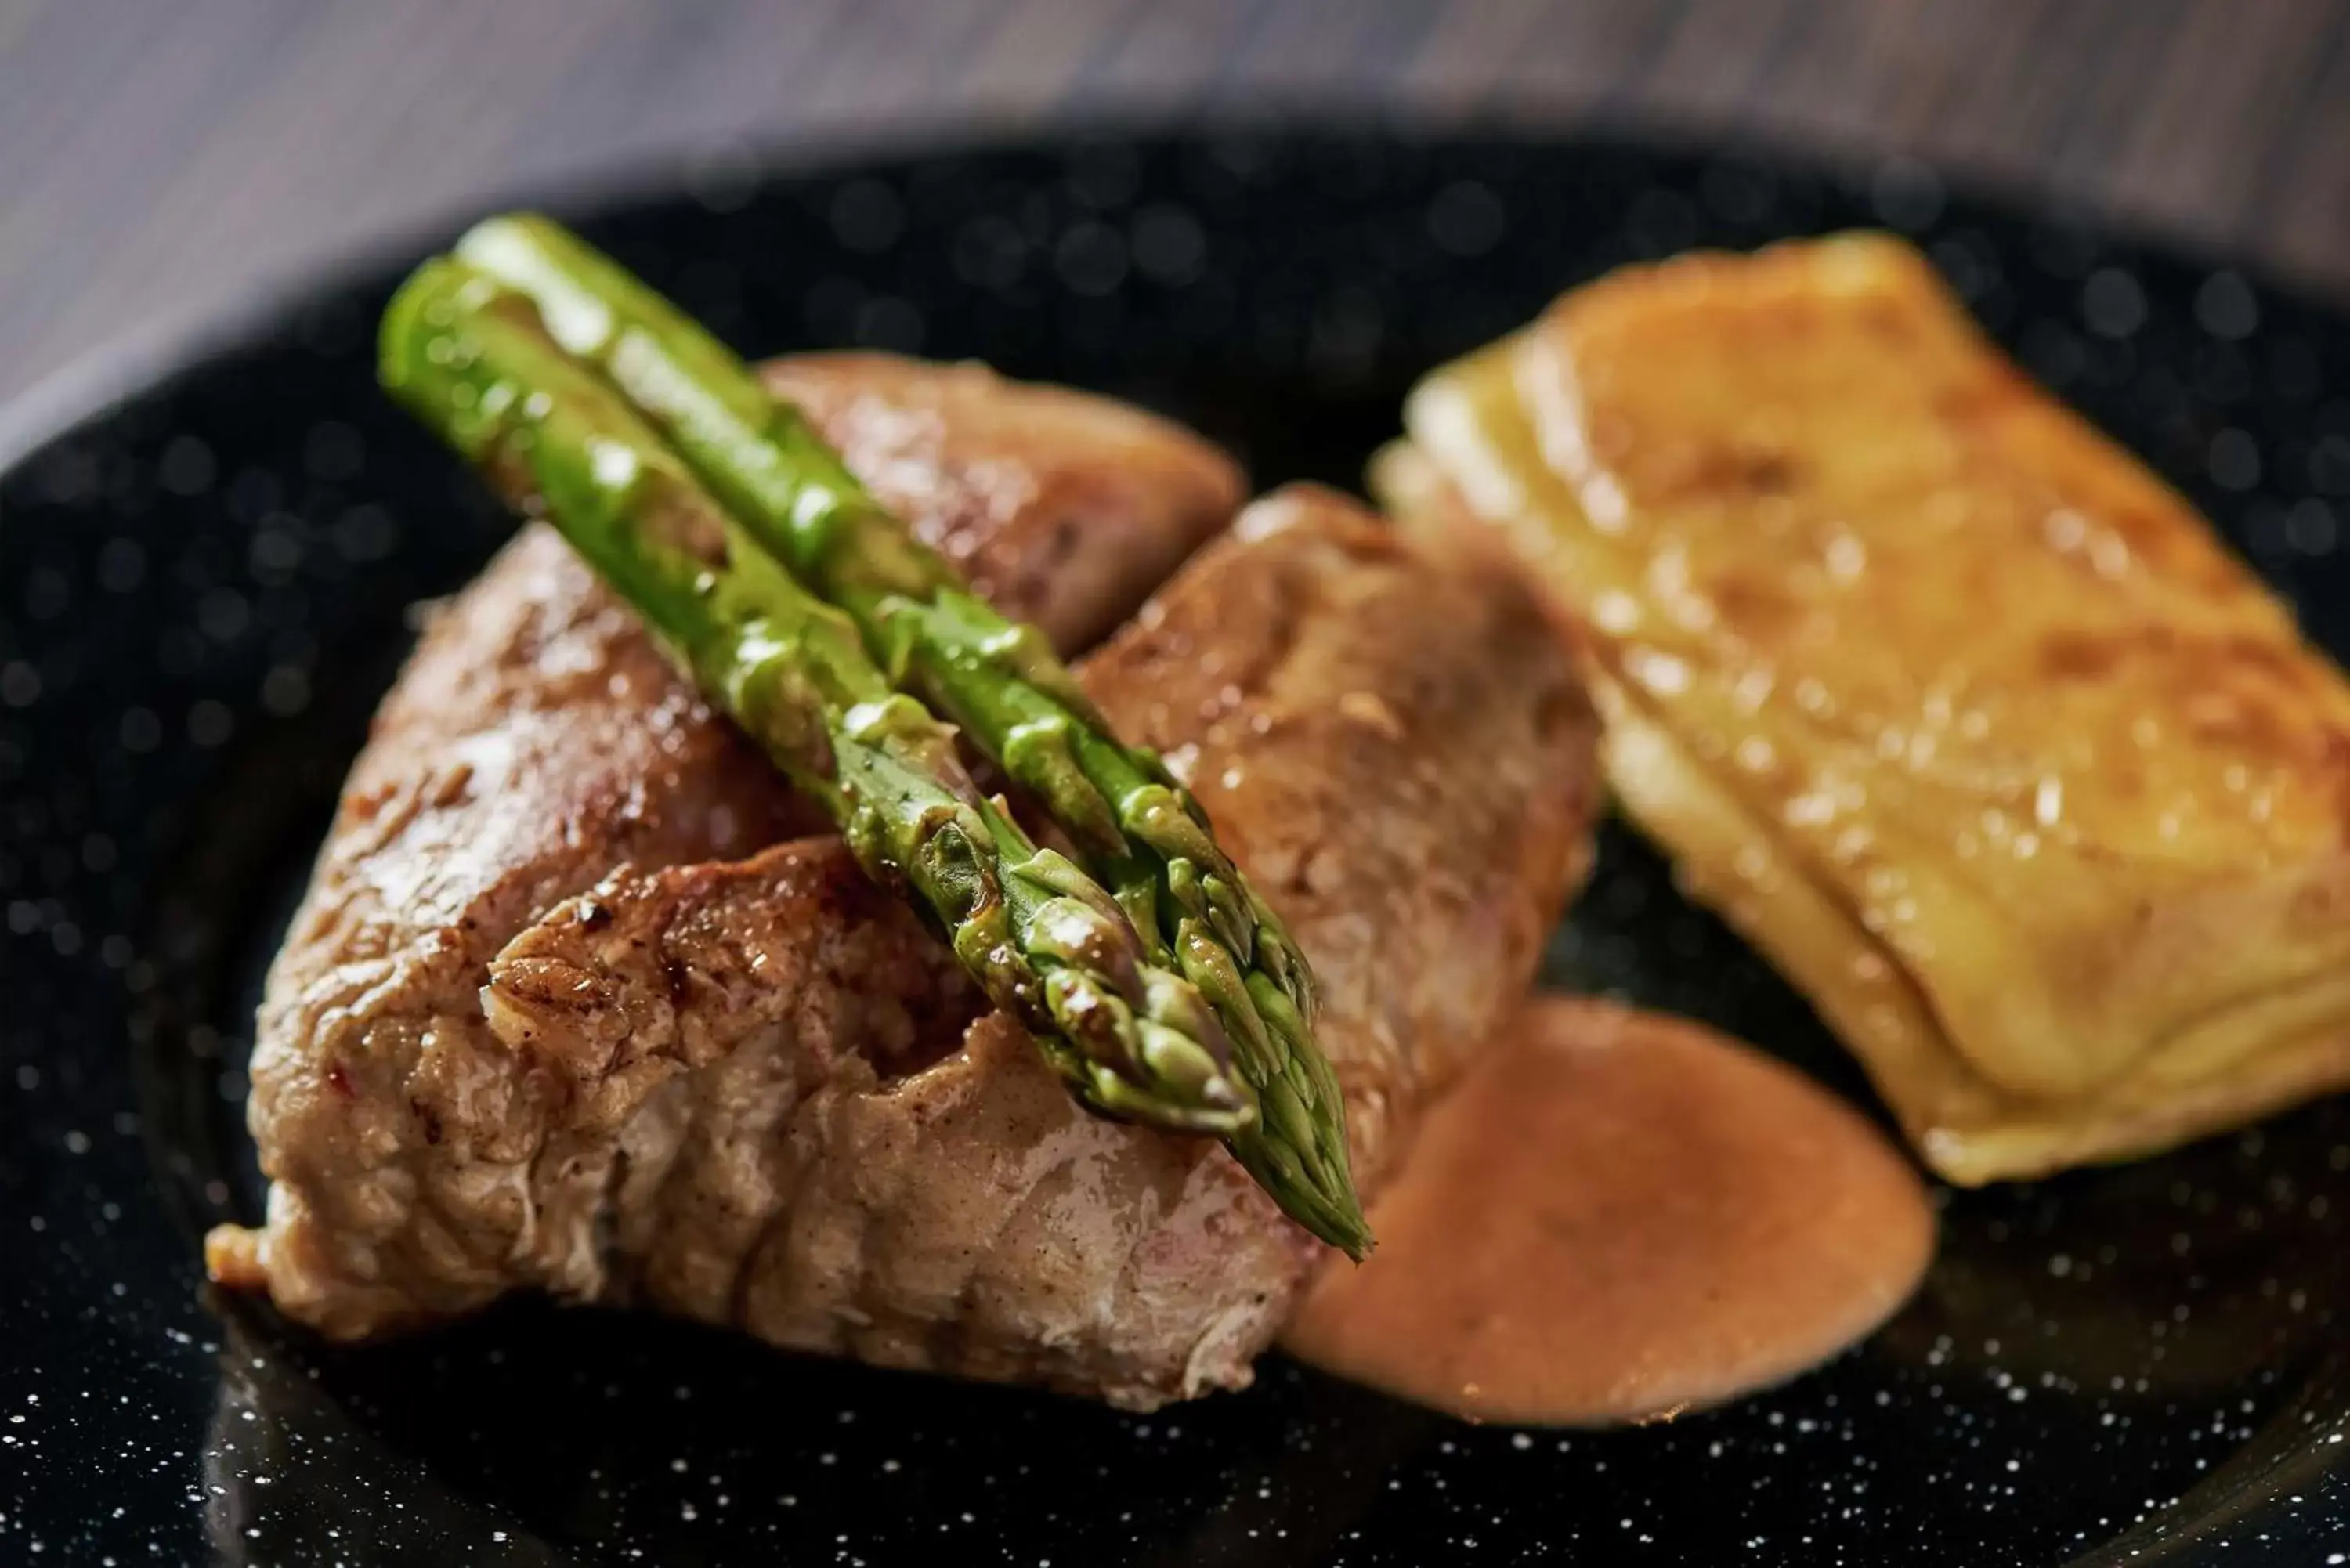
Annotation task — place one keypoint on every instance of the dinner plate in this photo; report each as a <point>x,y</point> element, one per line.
<point>209,555</point>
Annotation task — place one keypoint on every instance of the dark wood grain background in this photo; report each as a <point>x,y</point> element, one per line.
<point>162,158</point>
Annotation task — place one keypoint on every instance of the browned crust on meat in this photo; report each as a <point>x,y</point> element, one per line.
<point>767,1158</point>
<point>536,741</point>
<point>788,1129</point>
<point>1061,508</point>
<point>1390,741</point>
<point>551,1023</point>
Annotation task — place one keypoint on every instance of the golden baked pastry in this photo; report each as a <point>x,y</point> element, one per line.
<point>1951,707</point>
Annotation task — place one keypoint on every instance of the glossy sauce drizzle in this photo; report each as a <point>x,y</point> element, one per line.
<point>1617,1215</point>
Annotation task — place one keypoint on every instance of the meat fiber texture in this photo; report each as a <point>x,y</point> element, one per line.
<point>582,1000</point>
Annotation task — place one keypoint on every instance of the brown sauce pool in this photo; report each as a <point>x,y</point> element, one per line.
<point>1617,1215</point>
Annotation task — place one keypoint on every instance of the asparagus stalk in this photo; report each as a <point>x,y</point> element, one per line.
<point>1046,942</point>
<point>1133,823</point>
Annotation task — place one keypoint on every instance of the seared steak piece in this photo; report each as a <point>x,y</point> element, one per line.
<point>536,741</point>
<point>760,1092</point>
<point>757,1091</point>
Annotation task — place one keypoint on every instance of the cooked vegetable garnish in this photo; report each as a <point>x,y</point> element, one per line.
<point>1044,940</point>
<point>717,509</point>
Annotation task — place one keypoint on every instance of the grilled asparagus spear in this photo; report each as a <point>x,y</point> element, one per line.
<point>1136,826</point>
<point>1044,940</point>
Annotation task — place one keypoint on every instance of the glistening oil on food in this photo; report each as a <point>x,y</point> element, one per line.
<point>739,924</point>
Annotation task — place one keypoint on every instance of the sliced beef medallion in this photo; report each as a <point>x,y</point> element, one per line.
<point>756,1090</point>
<point>537,741</point>
<point>765,1116</point>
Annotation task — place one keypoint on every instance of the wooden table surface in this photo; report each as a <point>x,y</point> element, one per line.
<point>160,158</point>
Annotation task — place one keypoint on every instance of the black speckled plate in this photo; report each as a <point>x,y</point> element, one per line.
<point>204,589</point>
